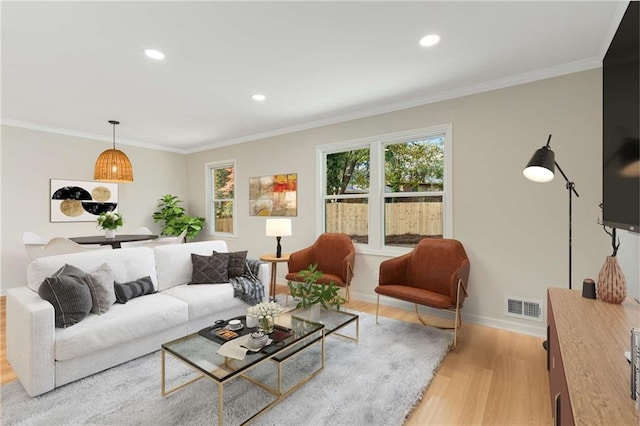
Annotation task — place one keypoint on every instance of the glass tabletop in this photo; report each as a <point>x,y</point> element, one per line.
<point>331,319</point>
<point>200,352</point>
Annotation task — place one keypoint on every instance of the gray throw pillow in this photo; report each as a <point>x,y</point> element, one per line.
<point>131,290</point>
<point>210,269</point>
<point>100,284</point>
<point>235,266</point>
<point>68,292</point>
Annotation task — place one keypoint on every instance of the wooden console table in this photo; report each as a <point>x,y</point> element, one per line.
<point>589,376</point>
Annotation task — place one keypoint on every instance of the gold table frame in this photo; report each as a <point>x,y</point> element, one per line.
<point>296,348</point>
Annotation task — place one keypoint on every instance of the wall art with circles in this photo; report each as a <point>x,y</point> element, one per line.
<point>81,201</point>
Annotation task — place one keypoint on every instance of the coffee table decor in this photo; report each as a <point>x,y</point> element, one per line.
<point>266,313</point>
<point>220,355</point>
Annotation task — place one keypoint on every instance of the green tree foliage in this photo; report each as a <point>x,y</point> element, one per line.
<point>412,164</point>
<point>348,167</point>
<point>224,184</point>
<point>409,166</point>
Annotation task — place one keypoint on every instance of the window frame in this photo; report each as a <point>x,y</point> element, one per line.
<point>210,197</point>
<point>376,194</point>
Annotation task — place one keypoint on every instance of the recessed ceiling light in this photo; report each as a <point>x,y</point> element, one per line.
<point>429,40</point>
<point>258,97</point>
<point>154,54</point>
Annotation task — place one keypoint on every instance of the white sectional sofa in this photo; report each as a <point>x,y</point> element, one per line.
<point>45,357</point>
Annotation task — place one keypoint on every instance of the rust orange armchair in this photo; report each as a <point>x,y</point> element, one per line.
<point>334,254</point>
<point>434,274</point>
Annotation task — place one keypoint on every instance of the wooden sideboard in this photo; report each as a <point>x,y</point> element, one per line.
<point>589,376</point>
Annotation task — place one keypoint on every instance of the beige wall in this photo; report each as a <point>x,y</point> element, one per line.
<point>515,231</point>
<point>30,158</point>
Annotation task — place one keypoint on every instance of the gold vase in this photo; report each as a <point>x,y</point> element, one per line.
<point>612,286</point>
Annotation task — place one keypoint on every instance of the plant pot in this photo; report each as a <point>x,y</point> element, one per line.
<point>109,233</point>
<point>612,286</point>
<point>314,312</point>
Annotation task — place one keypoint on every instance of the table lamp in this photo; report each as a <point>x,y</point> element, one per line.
<point>278,228</point>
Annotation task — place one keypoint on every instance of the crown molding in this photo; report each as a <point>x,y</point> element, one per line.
<point>502,83</point>
<point>86,135</point>
<point>529,77</point>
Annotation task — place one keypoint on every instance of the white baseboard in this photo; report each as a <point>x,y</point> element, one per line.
<point>502,324</point>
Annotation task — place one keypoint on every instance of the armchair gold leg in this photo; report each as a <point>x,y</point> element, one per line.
<point>458,315</point>
<point>377,308</point>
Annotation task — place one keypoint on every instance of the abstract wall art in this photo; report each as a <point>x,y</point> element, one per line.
<point>273,195</point>
<point>81,201</point>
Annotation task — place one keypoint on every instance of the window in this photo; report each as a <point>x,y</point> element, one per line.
<point>388,191</point>
<point>221,194</point>
<point>347,193</point>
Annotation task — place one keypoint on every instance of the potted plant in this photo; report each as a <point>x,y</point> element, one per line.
<point>110,222</point>
<point>310,294</point>
<point>175,219</point>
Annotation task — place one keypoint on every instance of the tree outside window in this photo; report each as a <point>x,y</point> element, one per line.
<point>409,195</point>
<point>223,197</point>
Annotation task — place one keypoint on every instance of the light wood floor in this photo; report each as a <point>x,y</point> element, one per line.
<point>492,377</point>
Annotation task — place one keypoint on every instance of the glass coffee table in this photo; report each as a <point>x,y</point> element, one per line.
<point>199,353</point>
<point>332,320</point>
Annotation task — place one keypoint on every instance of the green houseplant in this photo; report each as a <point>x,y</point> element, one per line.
<point>310,293</point>
<point>175,219</point>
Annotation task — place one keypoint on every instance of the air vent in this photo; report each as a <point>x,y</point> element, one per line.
<point>530,309</point>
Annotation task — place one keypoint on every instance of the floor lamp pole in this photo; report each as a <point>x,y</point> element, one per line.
<point>572,190</point>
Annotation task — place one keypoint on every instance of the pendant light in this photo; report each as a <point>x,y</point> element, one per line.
<point>113,165</point>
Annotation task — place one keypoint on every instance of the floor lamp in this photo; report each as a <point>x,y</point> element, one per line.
<point>541,169</point>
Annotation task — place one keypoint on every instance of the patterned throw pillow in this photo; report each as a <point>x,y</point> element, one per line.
<point>236,263</point>
<point>69,294</point>
<point>133,289</point>
<point>100,284</point>
<point>210,269</point>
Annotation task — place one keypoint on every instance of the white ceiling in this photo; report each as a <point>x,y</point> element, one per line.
<point>72,66</point>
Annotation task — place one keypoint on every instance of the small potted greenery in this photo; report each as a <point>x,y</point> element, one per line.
<point>110,222</point>
<point>175,219</point>
<point>310,294</point>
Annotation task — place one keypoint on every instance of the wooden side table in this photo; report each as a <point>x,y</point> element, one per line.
<point>274,263</point>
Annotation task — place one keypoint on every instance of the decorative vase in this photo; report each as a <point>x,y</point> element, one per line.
<point>109,233</point>
<point>314,312</point>
<point>612,286</point>
<point>265,324</point>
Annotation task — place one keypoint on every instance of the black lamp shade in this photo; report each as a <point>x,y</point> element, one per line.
<point>541,166</point>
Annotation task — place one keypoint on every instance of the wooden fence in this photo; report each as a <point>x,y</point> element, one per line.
<point>401,218</point>
<point>353,219</point>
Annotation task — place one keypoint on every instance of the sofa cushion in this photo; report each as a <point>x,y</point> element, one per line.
<point>131,290</point>
<point>100,284</point>
<point>204,300</point>
<point>174,261</point>
<point>210,269</point>
<point>140,317</point>
<point>237,263</point>
<point>68,292</point>
<point>127,265</point>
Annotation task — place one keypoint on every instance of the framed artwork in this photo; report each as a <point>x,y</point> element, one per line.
<point>273,195</point>
<point>81,201</point>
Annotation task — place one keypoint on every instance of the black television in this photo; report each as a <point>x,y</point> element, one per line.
<point>621,125</point>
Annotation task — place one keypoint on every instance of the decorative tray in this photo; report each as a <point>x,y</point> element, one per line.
<point>221,334</point>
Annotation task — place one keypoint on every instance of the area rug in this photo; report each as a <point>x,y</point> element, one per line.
<point>376,381</point>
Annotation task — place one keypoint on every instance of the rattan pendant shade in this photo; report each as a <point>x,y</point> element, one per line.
<point>113,165</point>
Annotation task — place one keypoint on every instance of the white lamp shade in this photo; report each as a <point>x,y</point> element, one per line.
<point>538,174</point>
<point>278,227</point>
